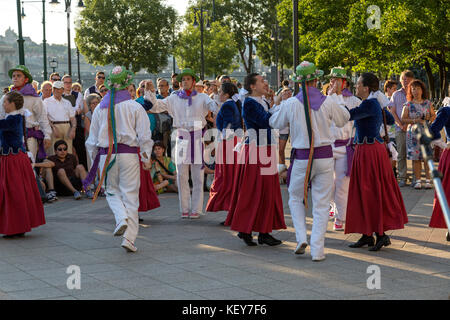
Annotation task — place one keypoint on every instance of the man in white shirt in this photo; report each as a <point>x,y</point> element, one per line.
<point>61,116</point>
<point>342,152</point>
<point>188,110</point>
<point>312,124</point>
<point>119,162</point>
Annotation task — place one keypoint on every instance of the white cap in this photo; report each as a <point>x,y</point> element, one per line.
<point>199,83</point>
<point>58,85</point>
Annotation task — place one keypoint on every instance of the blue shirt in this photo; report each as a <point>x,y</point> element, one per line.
<point>257,122</point>
<point>147,106</point>
<point>228,115</point>
<point>442,120</point>
<point>11,134</point>
<point>368,119</point>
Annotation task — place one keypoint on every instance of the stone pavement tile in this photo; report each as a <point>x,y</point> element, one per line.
<point>200,265</point>
<point>375,296</point>
<point>231,259</point>
<point>427,281</point>
<point>14,285</point>
<point>115,294</point>
<point>113,275</point>
<point>98,267</point>
<point>163,292</point>
<point>226,293</point>
<point>268,287</point>
<point>30,263</point>
<point>74,258</point>
<point>131,283</point>
<point>238,280</point>
<point>343,291</point>
<point>41,293</point>
<point>422,294</point>
<point>170,278</point>
<point>175,257</point>
<point>116,254</point>
<point>6,267</point>
<point>62,298</point>
<point>88,285</point>
<point>202,285</point>
<point>303,294</point>
<point>153,268</point>
<point>16,276</point>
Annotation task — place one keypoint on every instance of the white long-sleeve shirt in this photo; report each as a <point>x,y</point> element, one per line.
<point>345,132</point>
<point>292,112</point>
<point>184,116</point>
<point>132,128</point>
<point>38,117</point>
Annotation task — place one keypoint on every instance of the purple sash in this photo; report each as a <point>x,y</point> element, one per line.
<point>192,145</point>
<point>347,93</point>
<point>39,136</point>
<point>349,149</point>
<point>323,152</point>
<point>27,90</point>
<point>119,96</point>
<point>121,148</point>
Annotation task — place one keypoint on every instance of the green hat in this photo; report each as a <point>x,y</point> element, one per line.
<point>337,72</point>
<point>306,71</point>
<point>23,69</point>
<point>186,72</point>
<point>119,78</point>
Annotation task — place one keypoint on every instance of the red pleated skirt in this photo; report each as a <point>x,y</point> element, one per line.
<point>224,173</point>
<point>437,218</point>
<point>375,203</point>
<point>148,199</point>
<point>21,207</point>
<point>256,203</point>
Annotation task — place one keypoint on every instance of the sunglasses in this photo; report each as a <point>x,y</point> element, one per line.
<point>104,90</point>
<point>62,149</point>
<point>101,77</point>
<point>55,79</point>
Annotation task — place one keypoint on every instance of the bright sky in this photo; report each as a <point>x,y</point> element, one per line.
<point>56,25</point>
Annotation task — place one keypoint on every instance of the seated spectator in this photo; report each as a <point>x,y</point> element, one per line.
<point>68,172</point>
<point>163,166</point>
<point>45,177</point>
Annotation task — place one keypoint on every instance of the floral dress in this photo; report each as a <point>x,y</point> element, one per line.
<point>416,111</point>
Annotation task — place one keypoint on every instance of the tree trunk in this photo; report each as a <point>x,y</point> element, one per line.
<point>444,79</point>
<point>430,79</point>
<point>250,56</point>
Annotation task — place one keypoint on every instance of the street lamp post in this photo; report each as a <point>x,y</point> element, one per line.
<point>53,64</point>
<point>20,40</point>
<point>44,40</point>
<point>201,18</point>
<point>68,10</point>
<point>276,36</point>
<point>78,64</point>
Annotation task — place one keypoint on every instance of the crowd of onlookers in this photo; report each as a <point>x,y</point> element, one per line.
<point>69,112</point>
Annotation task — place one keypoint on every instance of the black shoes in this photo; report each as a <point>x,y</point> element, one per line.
<point>223,223</point>
<point>448,236</point>
<point>248,239</point>
<point>369,240</point>
<point>268,239</point>
<point>17,235</point>
<point>381,241</point>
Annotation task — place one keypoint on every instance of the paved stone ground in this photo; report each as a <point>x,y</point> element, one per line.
<point>199,259</point>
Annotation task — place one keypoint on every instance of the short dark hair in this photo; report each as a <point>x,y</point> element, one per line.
<point>250,80</point>
<point>389,84</point>
<point>159,144</point>
<point>285,83</point>
<point>229,88</point>
<point>66,76</point>
<point>224,76</point>
<point>99,72</point>
<point>371,81</point>
<point>173,75</point>
<point>407,73</point>
<point>16,98</point>
<point>58,143</point>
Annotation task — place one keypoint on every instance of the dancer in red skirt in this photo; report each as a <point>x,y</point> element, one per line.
<point>442,120</point>
<point>375,203</point>
<point>229,119</point>
<point>256,203</point>
<point>148,200</point>
<point>20,203</point>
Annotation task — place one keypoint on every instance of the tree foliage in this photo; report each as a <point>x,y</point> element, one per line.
<point>219,49</point>
<point>137,34</point>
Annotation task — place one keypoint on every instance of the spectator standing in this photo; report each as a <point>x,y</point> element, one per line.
<point>54,77</point>
<point>99,80</point>
<point>163,120</point>
<point>418,109</point>
<point>46,90</point>
<point>76,87</point>
<point>175,84</point>
<point>398,99</point>
<point>390,87</point>
<point>61,116</point>
<point>103,90</point>
<point>132,91</point>
<point>77,102</point>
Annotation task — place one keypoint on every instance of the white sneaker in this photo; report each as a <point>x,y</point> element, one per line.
<point>418,185</point>
<point>428,185</point>
<point>128,245</point>
<point>319,258</point>
<point>301,246</point>
<point>120,228</point>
